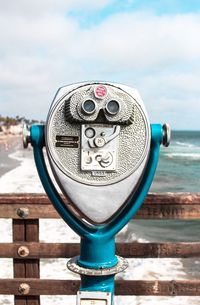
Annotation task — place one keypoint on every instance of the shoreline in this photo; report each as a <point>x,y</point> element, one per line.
<point>9,144</point>
<point>8,137</point>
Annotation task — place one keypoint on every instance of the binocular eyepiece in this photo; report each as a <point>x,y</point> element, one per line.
<point>112,107</point>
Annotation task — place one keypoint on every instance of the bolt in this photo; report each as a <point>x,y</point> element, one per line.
<point>23,212</point>
<point>24,288</point>
<point>23,251</point>
<point>99,142</point>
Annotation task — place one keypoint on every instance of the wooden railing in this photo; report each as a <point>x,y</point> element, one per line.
<point>25,210</point>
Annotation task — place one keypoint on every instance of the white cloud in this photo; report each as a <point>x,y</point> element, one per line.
<point>43,49</point>
<point>143,40</point>
<point>37,8</point>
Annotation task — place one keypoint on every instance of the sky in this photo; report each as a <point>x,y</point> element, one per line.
<point>150,45</point>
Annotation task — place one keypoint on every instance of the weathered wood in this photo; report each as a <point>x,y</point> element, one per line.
<point>156,198</point>
<point>159,288</point>
<point>41,287</point>
<point>32,235</point>
<point>67,287</point>
<point>25,198</point>
<point>40,250</point>
<point>128,250</point>
<point>19,270</point>
<point>26,231</point>
<point>156,206</point>
<point>36,211</point>
<point>147,211</point>
<point>19,300</point>
<point>32,266</point>
<point>18,236</point>
<point>168,211</point>
<point>158,250</point>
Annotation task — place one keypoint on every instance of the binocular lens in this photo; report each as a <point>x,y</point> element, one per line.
<point>112,107</point>
<point>88,106</point>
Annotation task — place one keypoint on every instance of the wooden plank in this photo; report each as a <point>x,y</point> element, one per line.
<point>168,211</point>
<point>159,288</point>
<point>158,250</point>
<point>41,287</point>
<point>33,265</point>
<point>156,206</point>
<point>19,270</point>
<point>18,236</point>
<point>24,198</point>
<point>20,300</point>
<point>173,198</point>
<point>18,228</point>
<point>32,235</point>
<point>128,250</point>
<point>70,287</point>
<point>155,198</point>
<point>36,211</point>
<point>40,250</point>
<point>26,231</point>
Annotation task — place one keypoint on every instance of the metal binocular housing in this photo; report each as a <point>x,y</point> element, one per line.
<point>103,154</point>
<point>98,141</point>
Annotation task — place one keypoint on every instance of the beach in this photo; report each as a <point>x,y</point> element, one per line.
<point>8,145</point>
<point>178,170</point>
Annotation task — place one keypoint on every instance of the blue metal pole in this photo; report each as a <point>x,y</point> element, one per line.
<point>97,253</point>
<point>98,283</point>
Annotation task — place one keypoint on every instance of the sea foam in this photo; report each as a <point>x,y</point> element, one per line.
<point>183,155</point>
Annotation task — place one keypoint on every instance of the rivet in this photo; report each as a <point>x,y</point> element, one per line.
<point>23,251</point>
<point>23,212</point>
<point>24,288</point>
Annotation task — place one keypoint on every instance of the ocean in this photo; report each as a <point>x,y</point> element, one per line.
<point>178,171</point>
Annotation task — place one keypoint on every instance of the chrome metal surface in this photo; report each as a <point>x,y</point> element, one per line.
<point>26,135</point>
<point>99,153</point>
<point>108,198</point>
<point>72,265</point>
<point>93,298</point>
<point>134,142</point>
<point>23,251</point>
<point>166,134</point>
<point>23,212</point>
<point>104,160</point>
<point>24,288</point>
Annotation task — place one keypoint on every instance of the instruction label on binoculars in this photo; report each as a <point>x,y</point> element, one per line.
<point>67,141</point>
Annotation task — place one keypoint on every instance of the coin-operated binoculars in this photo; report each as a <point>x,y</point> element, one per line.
<point>103,154</point>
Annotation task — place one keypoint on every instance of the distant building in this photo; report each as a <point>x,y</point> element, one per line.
<point>12,129</point>
<point>15,129</point>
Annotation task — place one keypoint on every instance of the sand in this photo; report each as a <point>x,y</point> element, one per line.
<point>8,145</point>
